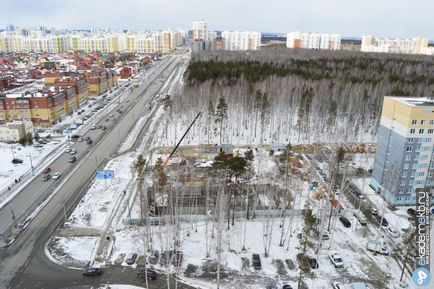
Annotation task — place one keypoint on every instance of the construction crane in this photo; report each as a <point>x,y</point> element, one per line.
<point>166,161</point>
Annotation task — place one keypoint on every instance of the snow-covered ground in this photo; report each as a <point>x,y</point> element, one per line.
<point>78,249</point>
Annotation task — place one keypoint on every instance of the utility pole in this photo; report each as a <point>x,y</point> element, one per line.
<point>31,164</point>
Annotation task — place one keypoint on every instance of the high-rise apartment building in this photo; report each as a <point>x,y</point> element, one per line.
<point>404,161</point>
<point>199,30</point>
<point>313,40</point>
<point>416,45</point>
<point>235,40</point>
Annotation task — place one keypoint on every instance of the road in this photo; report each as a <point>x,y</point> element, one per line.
<point>23,264</point>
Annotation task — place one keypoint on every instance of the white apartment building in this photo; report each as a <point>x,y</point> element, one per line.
<point>416,45</point>
<point>235,40</point>
<point>162,41</point>
<point>199,30</point>
<point>309,40</point>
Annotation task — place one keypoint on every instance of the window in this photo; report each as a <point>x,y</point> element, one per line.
<point>412,174</point>
<point>427,140</point>
<point>402,183</point>
<point>422,122</point>
<point>414,121</point>
<point>430,131</point>
<point>401,190</point>
<point>431,122</point>
<point>412,130</point>
<point>409,149</point>
<point>411,140</point>
<point>406,165</point>
<point>418,149</point>
<point>421,130</point>
<point>404,174</point>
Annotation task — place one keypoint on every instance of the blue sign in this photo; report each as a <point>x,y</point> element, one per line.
<point>421,277</point>
<point>105,175</point>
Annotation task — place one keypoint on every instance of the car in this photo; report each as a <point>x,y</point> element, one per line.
<point>111,115</point>
<point>75,136</point>
<point>153,259</point>
<point>325,235</point>
<point>46,170</point>
<point>287,286</point>
<point>92,272</point>
<point>99,126</point>
<point>150,273</point>
<point>374,211</point>
<point>89,141</point>
<point>72,159</point>
<point>337,285</point>
<point>131,258</point>
<point>411,212</point>
<point>103,127</point>
<point>46,177</point>
<point>67,150</point>
<point>336,259</point>
<point>37,145</point>
<point>17,161</point>
<point>392,232</point>
<point>93,127</point>
<point>56,175</point>
<point>361,218</point>
<point>382,220</point>
<point>73,151</point>
<point>345,222</point>
<point>256,261</point>
<point>80,139</point>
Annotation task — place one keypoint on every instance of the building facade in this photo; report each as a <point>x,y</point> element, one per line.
<point>416,45</point>
<point>235,40</point>
<point>313,40</point>
<point>199,30</point>
<point>404,160</point>
<point>15,130</point>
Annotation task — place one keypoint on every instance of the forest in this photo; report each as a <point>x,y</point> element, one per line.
<point>279,95</point>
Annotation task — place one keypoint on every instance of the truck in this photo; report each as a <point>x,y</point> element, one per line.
<point>377,246</point>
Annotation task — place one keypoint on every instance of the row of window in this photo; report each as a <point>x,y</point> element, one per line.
<point>422,122</point>
<point>412,174</point>
<point>430,131</point>
<point>417,149</point>
<point>403,198</point>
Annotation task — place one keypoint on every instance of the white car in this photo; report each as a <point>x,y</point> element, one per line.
<point>93,127</point>
<point>336,259</point>
<point>56,175</point>
<point>68,150</point>
<point>73,151</point>
<point>374,211</point>
<point>392,232</point>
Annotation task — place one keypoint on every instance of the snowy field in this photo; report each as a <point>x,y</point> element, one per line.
<point>76,249</point>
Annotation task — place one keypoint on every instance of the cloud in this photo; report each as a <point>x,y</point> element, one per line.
<point>349,17</point>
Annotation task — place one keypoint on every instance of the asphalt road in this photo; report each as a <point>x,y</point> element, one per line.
<point>23,264</point>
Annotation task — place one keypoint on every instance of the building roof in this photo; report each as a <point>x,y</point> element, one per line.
<point>415,100</point>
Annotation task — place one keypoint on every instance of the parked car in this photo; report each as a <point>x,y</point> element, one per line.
<point>56,175</point>
<point>256,261</point>
<point>374,211</point>
<point>286,286</point>
<point>93,127</point>
<point>73,151</point>
<point>336,259</point>
<point>92,272</point>
<point>381,220</point>
<point>150,273</point>
<point>46,170</point>
<point>72,159</point>
<point>272,286</point>
<point>80,139</point>
<point>131,258</point>
<point>89,141</point>
<point>361,218</point>
<point>377,246</point>
<point>325,235</point>
<point>103,127</point>
<point>345,222</point>
<point>17,161</point>
<point>411,212</point>
<point>46,177</point>
<point>75,136</point>
<point>68,150</point>
<point>153,259</point>
<point>392,232</point>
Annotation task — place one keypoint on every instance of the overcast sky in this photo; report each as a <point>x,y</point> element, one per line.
<point>395,18</point>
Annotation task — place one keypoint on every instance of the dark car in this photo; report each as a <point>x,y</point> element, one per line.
<point>17,161</point>
<point>89,141</point>
<point>103,127</point>
<point>345,222</point>
<point>75,136</point>
<point>72,159</point>
<point>150,273</point>
<point>153,259</point>
<point>384,223</point>
<point>46,170</point>
<point>411,212</point>
<point>286,286</point>
<point>272,286</point>
<point>256,261</point>
<point>92,272</point>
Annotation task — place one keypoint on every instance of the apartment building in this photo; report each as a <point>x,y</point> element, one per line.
<point>235,40</point>
<point>15,130</point>
<point>76,81</point>
<point>416,45</point>
<point>313,40</point>
<point>199,30</point>
<point>404,160</point>
<point>100,81</point>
